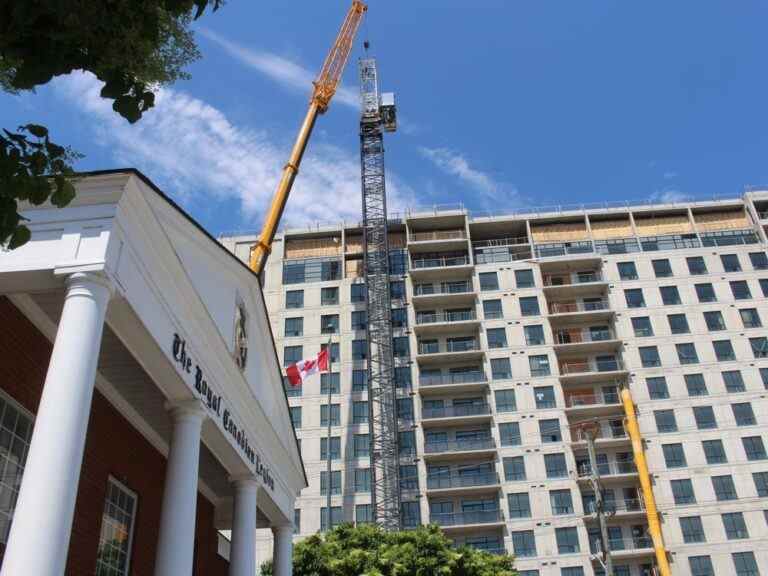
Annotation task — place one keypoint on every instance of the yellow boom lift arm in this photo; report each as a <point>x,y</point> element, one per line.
<point>325,87</point>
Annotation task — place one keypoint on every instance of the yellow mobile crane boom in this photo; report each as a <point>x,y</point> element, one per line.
<point>325,87</point>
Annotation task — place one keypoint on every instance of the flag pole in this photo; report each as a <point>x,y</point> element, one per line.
<point>329,482</point>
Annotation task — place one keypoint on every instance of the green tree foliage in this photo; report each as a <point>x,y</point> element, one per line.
<point>133,46</point>
<point>367,550</point>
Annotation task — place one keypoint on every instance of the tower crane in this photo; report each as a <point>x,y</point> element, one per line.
<point>324,88</point>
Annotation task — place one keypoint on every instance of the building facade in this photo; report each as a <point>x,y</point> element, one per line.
<point>144,428</point>
<point>514,339</point>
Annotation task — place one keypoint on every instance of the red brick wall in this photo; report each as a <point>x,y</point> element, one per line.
<point>113,447</point>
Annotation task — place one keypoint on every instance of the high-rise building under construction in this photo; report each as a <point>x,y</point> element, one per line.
<point>518,341</point>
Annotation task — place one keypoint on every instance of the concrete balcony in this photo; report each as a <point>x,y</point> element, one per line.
<point>501,250</point>
<point>468,520</point>
<point>437,240</point>
<point>609,471</point>
<point>591,371</point>
<point>573,311</point>
<point>563,285</point>
<point>627,509</point>
<point>460,449</point>
<point>445,322</point>
<point>463,414</point>
<point>607,436</point>
<point>462,484</point>
<point>452,352</point>
<point>579,250</point>
<point>447,293</point>
<point>575,340</point>
<point>452,383</point>
<point>598,403</point>
<point>440,267</point>
<point>628,548</point>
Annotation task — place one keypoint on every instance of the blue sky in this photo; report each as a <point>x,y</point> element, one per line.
<point>504,104</point>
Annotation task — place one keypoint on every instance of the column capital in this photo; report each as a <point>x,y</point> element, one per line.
<point>87,280</point>
<point>244,481</point>
<point>192,410</point>
<point>283,529</point>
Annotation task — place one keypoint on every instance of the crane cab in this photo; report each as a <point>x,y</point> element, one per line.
<point>388,111</point>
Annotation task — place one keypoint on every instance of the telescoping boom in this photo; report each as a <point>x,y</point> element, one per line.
<point>325,87</point>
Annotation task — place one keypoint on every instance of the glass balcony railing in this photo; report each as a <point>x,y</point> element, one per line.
<point>626,544</point>
<point>616,506</point>
<point>458,287</point>
<point>585,366</point>
<point>456,411</point>
<point>440,262</point>
<point>577,336</point>
<point>447,316</point>
<point>452,378</point>
<point>597,399</point>
<point>438,235</point>
<point>563,249</point>
<point>604,432</point>
<point>462,346</point>
<point>572,279</point>
<point>461,518</point>
<point>607,468</point>
<point>570,307</point>
<point>440,481</point>
<point>459,445</point>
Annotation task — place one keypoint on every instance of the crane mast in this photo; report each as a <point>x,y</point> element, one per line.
<point>378,115</point>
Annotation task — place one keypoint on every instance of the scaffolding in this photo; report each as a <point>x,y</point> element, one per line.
<point>385,482</point>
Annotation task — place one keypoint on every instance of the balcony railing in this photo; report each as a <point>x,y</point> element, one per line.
<point>582,367</point>
<point>440,481</point>
<point>440,262</point>
<point>563,249</point>
<point>438,235</point>
<point>570,307</point>
<point>613,506</point>
<point>461,518</point>
<point>462,346</point>
<point>460,287</point>
<point>448,316</point>
<point>577,336</point>
<point>626,544</point>
<point>608,468</point>
<point>453,378</point>
<point>571,279</point>
<point>729,237</point>
<point>578,434</point>
<point>459,445</point>
<point>456,411</point>
<point>497,242</point>
<point>598,399</point>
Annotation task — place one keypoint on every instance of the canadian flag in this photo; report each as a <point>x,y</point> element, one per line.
<point>299,372</point>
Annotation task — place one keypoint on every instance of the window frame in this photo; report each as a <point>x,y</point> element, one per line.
<point>111,480</point>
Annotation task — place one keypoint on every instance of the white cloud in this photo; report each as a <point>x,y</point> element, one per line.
<point>503,195</point>
<point>283,71</point>
<point>192,150</point>
<point>670,196</point>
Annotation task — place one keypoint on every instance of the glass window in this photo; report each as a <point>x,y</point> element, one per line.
<point>294,299</point>
<point>401,347</point>
<point>740,290</point>
<point>410,514</point>
<point>649,356</point>
<point>514,469</point>
<point>334,355</point>
<point>692,529</point>
<point>577,571</point>
<point>561,502</point>
<point>682,491</point>
<point>409,477</point>
<point>634,298</point>
<point>701,566</point>
<point>723,350</point>
<point>724,488</point>
<point>524,279</point>
<point>524,543</point>
<point>735,528</point>
<point>311,270</point>
<point>359,319</point>
<point>761,483</point>
<point>492,309</point>
<point>335,415</point>
<point>714,320</point>
<point>686,353</point>
<point>627,270</point>
<point>406,442</point>
<point>764,286</point>
<point>705,293</point>
<point>405,409</point>
<point>759,347</point>
<point>337,517</point>
<point>674,456</point>
<point>759,260</point>
<point>714,451</point>
<point>764,377</point>
<point>397,289</point>
<point>642,326</point>
<point>363,513</point>
<point>657,388</point>
<point>362,480</point>
<point>332,379</point>
<point>665,420</point>
<point>403,377</point>
<point>670,296</point>
<point>730,262</point>
<point>705,417</point>
<point>555,465</point>
<point>116,534</point>
<point>359,412</point>
<point>529,306</point>
<point>399,318</point>
<point>750,318</point>
<point>567,540</point>
<point>357,293</point>
<point>505,401</point>
<point>335,482</point>
<point>292,354</point>
<point>743,414</point>
<point>359,349</point>
<point>296,520</point>
<point>335,448</point>
<point>329,324</point>
<point>329,296</point>
<point>662,268</point>
<point>497,337</point>
<point>733,381</point>
<point>745,564</point>
<point>509,434</point>
<point>500,368</point>
<point>545,397</point>
<point>550,430</point>
<point>361,446</point>
<point>488,281</point>
<point>754,448</point>
<point>398,261</point>
<point>539,365</point>
<point>696,265</point>
<point>295,412</point>
<point>519,505</point>
<point>534,334</point>
<point>695,385</point>
<point>678,324</point>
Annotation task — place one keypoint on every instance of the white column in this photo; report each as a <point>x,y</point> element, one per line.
<point>39,538</point>
<point>282,555</point>
<point>242,552</point>
<point>176,541</point>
